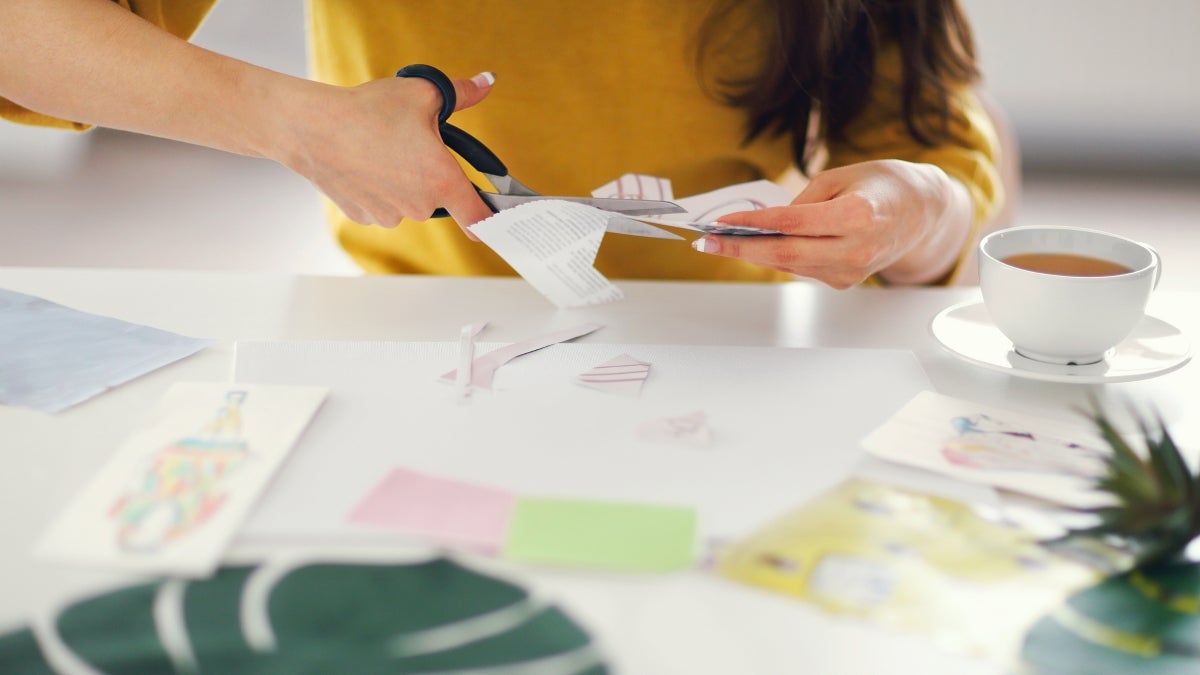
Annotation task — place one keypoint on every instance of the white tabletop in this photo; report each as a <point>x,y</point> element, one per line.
<point>684,623</point>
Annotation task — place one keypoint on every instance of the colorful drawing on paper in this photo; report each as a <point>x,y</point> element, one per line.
<point>184,484</point>
<point>1050,459</point>
<point>621,375</point>
<point>986,443</point>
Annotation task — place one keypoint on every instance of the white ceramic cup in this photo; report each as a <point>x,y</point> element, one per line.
<point>1060,318</point>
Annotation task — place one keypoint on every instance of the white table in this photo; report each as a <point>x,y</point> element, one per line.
<point>683,623</point>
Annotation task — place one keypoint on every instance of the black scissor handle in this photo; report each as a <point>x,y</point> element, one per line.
<point>467,146</point>
<point>439,80</point>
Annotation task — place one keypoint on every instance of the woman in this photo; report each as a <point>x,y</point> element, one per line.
<point>875,92</point>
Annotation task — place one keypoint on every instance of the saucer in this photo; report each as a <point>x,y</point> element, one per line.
<point>1155,347</point>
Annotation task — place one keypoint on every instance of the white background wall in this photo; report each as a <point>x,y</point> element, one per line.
<point>1096,81</point>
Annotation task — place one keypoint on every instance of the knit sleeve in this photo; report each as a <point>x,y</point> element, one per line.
<point>971,157</point>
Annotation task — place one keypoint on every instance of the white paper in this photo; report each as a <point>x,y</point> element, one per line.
<point>703,210</point>
<point>172,496</point>
<point>785,424</point>
<point>1045,458</point>
<point>636,186</point>
<point>53,357</point>
<point>553,245</point>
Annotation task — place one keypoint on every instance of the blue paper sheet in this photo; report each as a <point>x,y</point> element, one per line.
<point>53,357</point>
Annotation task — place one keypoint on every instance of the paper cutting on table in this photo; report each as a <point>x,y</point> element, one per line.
<point>53,357</point>
<point>1045,458</point>
<point>441,509</point>
<point>602,535</point>
<point>690,429</point>
<point>173,494</point>
<point>621,375</point>
<point>483,368</point>
<point>546,435</point>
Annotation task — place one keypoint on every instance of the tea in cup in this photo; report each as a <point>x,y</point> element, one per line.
<point>1065,295</point>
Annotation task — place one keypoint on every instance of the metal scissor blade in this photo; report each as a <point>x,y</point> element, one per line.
<point>632,207</point>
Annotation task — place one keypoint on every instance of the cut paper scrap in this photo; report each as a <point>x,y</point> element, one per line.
<point>440,509</point>
<point>617,536</point>
<point>691,429</point>
<point>552,244</point>
<point>53,357</point>
<point>1036,456</point>
<point>483,368</point>
<point>172,496</point>
<point>703,210</point>
<point>466,356</point>
<point>622,375</point>
<point>636,186</point>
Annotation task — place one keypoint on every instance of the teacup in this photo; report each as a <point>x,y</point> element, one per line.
<point>1065,295</point>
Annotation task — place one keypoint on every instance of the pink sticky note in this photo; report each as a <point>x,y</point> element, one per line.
<point>445,510</point>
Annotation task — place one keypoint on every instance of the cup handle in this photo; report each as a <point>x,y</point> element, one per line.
<point>1157,263</point>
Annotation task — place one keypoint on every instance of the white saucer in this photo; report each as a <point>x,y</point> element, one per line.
<point>1154,348</point>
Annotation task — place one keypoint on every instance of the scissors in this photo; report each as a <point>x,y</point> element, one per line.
<point>509,191</point>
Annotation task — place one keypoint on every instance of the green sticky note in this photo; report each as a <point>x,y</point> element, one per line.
<point>601,535</point>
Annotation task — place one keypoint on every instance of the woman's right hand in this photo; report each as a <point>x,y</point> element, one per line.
<point>376,152</point>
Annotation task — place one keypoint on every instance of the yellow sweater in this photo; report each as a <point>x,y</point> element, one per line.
<point>585,92</point>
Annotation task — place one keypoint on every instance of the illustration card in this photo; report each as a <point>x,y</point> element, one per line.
<point>1046,458</point>
<point>173,494</point>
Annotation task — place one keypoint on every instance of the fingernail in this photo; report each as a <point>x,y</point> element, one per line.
<point>706,245</point>
<point>485,79</point>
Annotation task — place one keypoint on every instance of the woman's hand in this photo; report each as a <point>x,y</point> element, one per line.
<point>905,221</point>
<point>376,152</point>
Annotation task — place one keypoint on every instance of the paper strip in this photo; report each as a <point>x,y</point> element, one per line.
<point>484,368</point>
<point>602,535</point>
<point>174,493</point>
<point>621,375</point>
<point>552,244</point>
<point>448,511</point>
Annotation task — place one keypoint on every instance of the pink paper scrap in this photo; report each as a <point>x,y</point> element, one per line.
<point>447,511</point>
<point>622,375</point>
<point>690,429</point>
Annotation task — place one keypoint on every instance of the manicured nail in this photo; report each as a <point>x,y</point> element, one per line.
<point>706,245</point>
<point>485,79</point>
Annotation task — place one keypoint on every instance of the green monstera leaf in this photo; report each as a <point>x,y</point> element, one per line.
<point>311,617</point>
<point>1145,621</point>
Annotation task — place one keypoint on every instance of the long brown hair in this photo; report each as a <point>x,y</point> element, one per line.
<point>820,56</point>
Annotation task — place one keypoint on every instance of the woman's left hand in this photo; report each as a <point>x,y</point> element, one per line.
<point>906,221</point>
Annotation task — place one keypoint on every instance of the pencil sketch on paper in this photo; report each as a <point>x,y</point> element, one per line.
<point>983,442</point>
<point>184,484</point>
